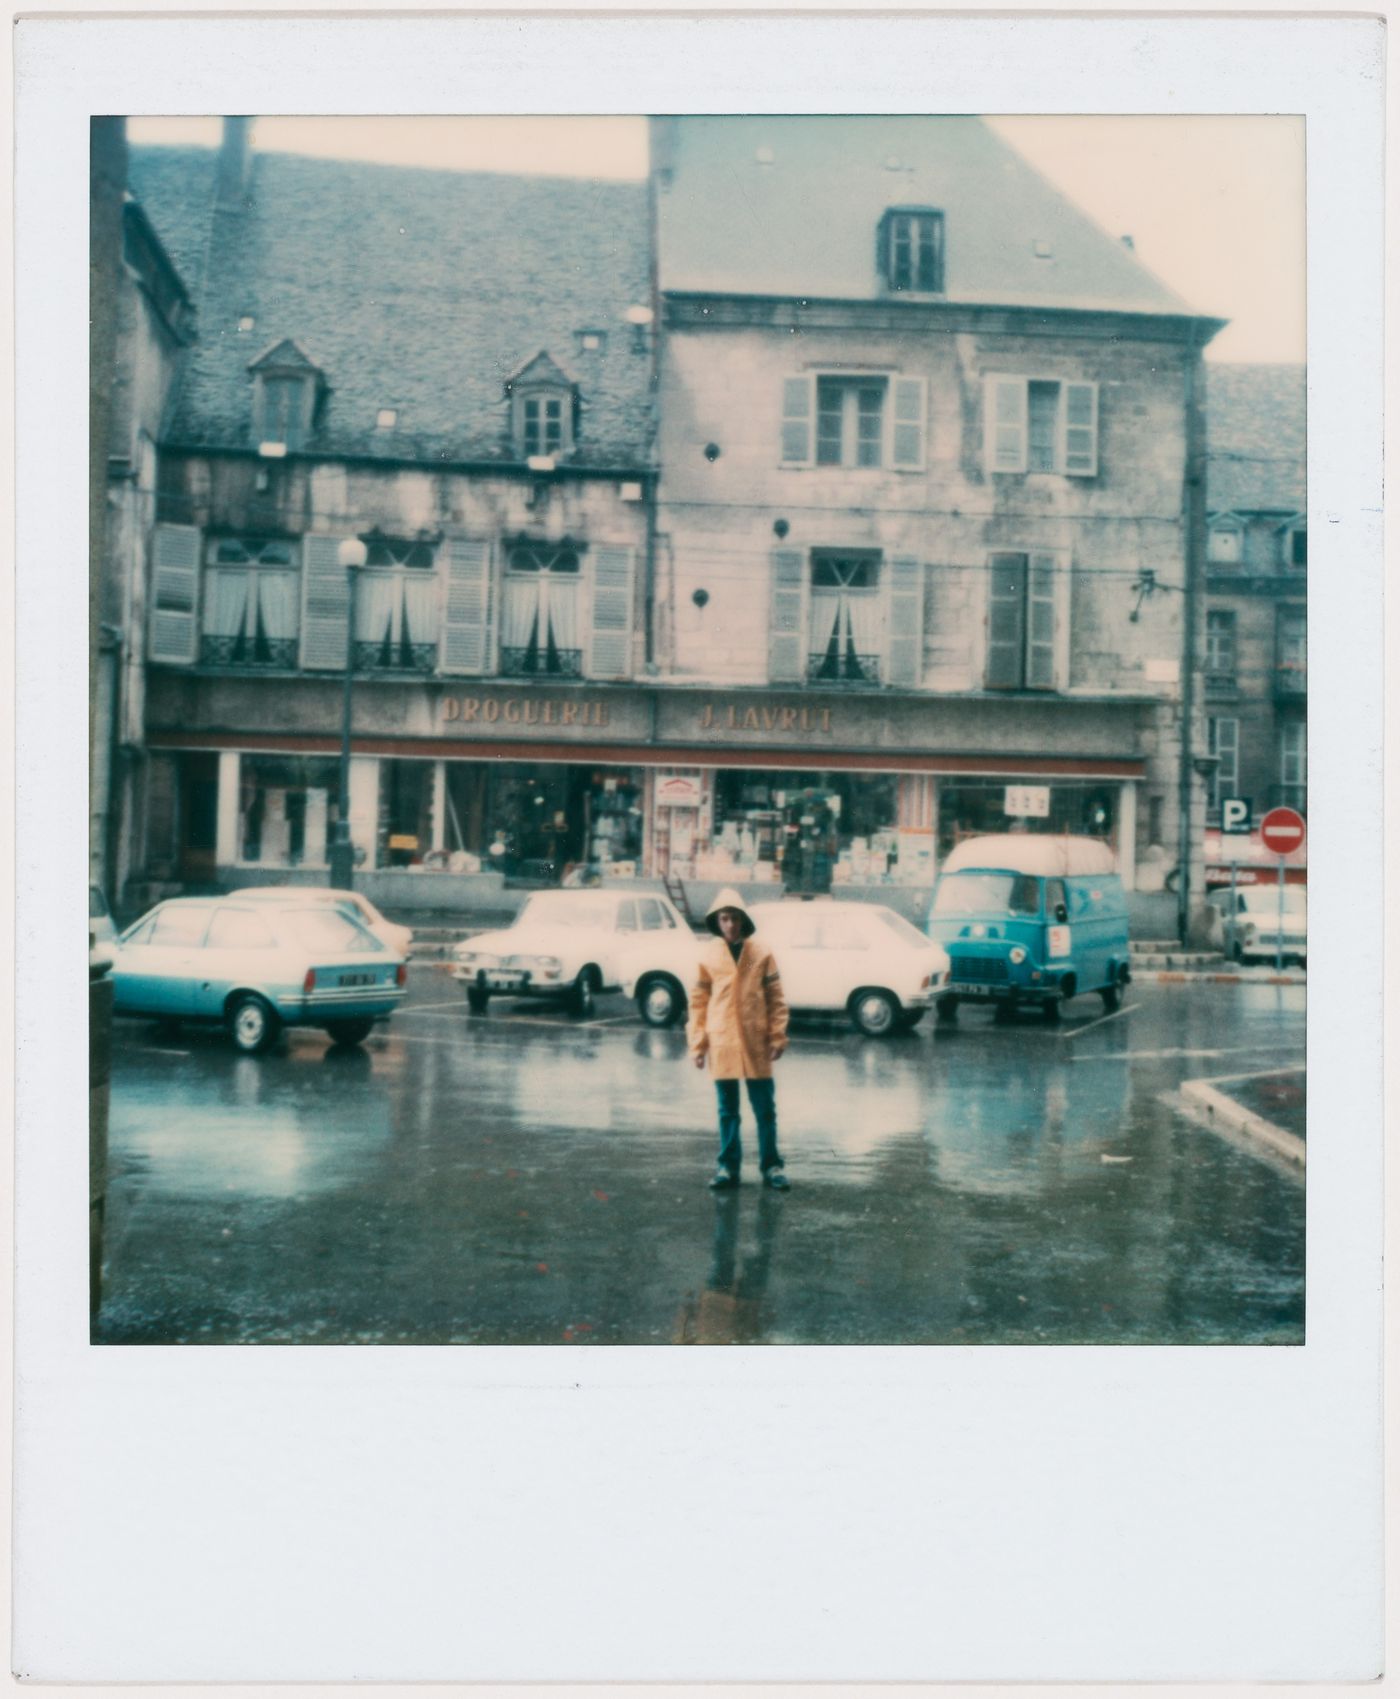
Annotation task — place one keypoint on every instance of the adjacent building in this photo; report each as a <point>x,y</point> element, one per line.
<point>1256,654</point>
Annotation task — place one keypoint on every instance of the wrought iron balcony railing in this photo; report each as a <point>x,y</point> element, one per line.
<point>1290,679</point>
<point>253,654</point>
<point>827,668</point>
<point>535,662</point>
<point>414,658</point>
<point>1221,684</point>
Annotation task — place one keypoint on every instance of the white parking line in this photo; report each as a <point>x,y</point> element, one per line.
<point>156,1050</point>
<point>1127,1009</point>
<point>418,1008</point>
<point>1261,1049</point>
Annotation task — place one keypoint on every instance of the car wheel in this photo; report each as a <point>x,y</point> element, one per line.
<point>1112,997</point>
<point>478,999</point>
<point>874,1013</point>
<point>1238,951</point>
<point>1050,1008</point>
<point>947,1009</point>
<point>910,1019</point>
<point>252,1025</point>
<point>350,1032</point>
<point>660,1002</point>
<point>581,994</point>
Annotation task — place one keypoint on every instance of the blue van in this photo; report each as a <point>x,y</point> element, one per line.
<point>1030,920</point>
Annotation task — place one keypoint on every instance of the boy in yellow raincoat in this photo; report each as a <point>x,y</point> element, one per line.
<point>739,1020</point>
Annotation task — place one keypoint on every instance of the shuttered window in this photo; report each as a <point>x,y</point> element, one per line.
<point>904,622</point>
<point>846,419</point>
<point>325,604</point>
<point>611,622</point>
<point>799,405</point>
<point>787,616</point>
<point>174,593</point>
<point>466,625</point>
<point>910,411</point>
<point>1024,636</point>
<point>1040,425</point>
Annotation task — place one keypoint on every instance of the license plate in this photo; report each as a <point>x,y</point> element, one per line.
<point>357,979</point>
<point>971,990</point>
<point>505,981</point>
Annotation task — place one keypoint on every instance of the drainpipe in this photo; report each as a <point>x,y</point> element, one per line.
<point>1193,515</point>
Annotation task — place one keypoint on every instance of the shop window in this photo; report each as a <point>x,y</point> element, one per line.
<point>252,603</point>
<point>397,605</point>
<point>975,808</point>
<point>809,831</point>
<point>287,808</point>
<point>1022,622</point>
<point>845,637</point>
<point>1223,741</point>
<point>540,631</point>
<point>911,250</point>
<point>1040,425</point>
<point>405,812</point>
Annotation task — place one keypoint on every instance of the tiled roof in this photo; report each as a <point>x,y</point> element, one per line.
<point>412,289</point>
<point>1256,433</point>
<point>791,206</point>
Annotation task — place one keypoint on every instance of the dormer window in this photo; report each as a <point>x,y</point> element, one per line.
<point>1294,539</point>
<point>287,386</point>
<point>1225,543</point>
<point>911,250</point>
<point>543,407</point>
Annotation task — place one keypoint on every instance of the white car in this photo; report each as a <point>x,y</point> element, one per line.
<point>567,944</point>
<point>393,937</point>
<point>862,959</point>
<point>1256,929</point>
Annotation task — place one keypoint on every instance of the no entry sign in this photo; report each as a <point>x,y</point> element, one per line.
<point>1282,831</point>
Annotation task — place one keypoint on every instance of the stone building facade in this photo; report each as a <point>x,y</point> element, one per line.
<point>1255,657</point>
<point>925,436</point>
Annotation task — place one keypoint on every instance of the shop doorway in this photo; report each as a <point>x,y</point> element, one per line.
<point>542,822</point>
<point>199,817</point>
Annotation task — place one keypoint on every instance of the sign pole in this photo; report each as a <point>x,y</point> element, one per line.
<point>1278,953</point>
<point>1234,905</point>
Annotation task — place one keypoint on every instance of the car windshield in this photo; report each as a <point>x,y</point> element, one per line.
<point>901,928</point>
<point>328,931</point>
<point>554,908</point>
<point>987,893</point>
<point>1263,899</point>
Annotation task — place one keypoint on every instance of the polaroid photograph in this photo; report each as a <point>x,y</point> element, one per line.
<point>698,734</point>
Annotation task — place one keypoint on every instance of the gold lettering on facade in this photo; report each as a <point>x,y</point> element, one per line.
<point>568,713</point>
<point>547,714</point>
<point>471,707</point>
<point>491,710</point>
<point>751,720</point>
<point>707,717</point>
<point>532,711</point>
<point>600,713</point>
<point>511,712</point>
<point>730,717</point>
<point>451,707</point>
<point>789,719</point>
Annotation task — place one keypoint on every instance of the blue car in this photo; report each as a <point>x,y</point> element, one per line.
<point>255,968</point>
<point>1030,920</point>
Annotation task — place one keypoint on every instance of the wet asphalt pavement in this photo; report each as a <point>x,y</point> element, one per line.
<point>528,1179</point>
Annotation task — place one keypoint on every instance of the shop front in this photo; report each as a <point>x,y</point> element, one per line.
<point>546,785</point>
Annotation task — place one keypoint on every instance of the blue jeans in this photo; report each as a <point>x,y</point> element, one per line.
<point>765,1112</point>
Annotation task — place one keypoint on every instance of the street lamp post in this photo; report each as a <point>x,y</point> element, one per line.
<point>351,555</point>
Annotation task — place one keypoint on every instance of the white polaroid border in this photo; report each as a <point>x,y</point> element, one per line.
<point>665,1515</point>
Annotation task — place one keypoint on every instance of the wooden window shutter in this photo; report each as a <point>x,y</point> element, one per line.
<point>1006,627</point>
<point>175,593</point>
<point>787,622</point>
<point>325,604</point>
<point>1079,449</point>
<point>1041,623</point>
<point>799,406</point>
<point>1004,433</point>
<point>466,622</point>
<point>904,622</point>
<point>611,620</point>
<point>910,413</point>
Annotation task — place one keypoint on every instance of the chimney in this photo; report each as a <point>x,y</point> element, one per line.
<point>235,164</point>
<point>1128,243</point>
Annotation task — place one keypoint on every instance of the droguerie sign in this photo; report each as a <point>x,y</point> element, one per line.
<point>523,711</point>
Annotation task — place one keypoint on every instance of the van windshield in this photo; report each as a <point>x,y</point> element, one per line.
<point>987,893</point>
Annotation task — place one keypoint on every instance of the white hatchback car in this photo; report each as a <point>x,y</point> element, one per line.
<point>860,959</point>
<point>566,944</point>
<point>392,936</point>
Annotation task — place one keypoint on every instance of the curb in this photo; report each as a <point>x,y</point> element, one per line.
<point>1165,977</point>
<point>1216,1109</point>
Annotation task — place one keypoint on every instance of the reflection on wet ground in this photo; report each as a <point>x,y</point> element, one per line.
<point>511,1181</point>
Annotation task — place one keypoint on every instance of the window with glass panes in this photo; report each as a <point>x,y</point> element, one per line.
<point>1293,764</point>
<point>1220,645</point>
<point>913,250</point>
<point>252,602</point>
<point>544,424</point>
<point>850,421</point>
<point>1223,741</point>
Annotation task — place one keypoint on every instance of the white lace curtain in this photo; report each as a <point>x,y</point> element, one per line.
<point>541,605</point>
<point>852,616</point>
<point>233,599</point>
<point>387,603</point>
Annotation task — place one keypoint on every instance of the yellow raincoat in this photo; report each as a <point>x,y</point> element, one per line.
<point>738,1014</point>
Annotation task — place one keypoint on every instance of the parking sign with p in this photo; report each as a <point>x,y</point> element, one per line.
<point>1234,814</point>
